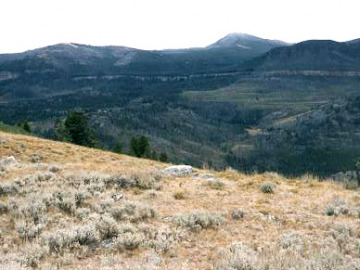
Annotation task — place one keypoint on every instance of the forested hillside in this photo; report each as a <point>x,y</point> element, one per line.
<point>237,102</point>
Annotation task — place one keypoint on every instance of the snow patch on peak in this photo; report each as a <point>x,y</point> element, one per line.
<point>243,47</point>
<point>243,36</point>
<point>71,45</point>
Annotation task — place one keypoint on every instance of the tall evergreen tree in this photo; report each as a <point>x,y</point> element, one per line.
<point>140,146</point>
<point>78,130</point>
<point>26,126</point>
<point>163,157</point>
<point>118,147</point>
<point>60,132</point>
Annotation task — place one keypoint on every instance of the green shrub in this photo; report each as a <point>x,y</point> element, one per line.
<point>330,210</point>
<point>215,184</point>
<point>237,214</point>
<point>28,230</point>
<point>133,212</point>
<point>199,220</point>
<point>107,227</point>
<point>179,195</point>
<point>268,187</point>
<point>129,240</point>
<point>34,254</point>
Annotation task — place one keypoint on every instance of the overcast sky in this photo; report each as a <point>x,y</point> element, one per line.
<point>159,24</point>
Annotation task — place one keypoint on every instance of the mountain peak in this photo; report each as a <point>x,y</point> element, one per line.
<point>240,35</point>
<point>243,41</point>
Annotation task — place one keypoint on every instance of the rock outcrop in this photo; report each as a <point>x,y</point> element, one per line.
<point>178,170</point>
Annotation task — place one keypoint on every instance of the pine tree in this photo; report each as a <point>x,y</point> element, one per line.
<point>26,126</point>
<point>153,155</point>
<point>60,131</point>
<point>78,130</point>
<point>118,147</point>
<point>163,157</point>
<point>140,146</point>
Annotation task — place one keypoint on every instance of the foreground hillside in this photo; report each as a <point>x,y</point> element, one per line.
<point>69,207</point>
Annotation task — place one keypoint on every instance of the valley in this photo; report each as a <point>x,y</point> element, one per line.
<point>197,105</point>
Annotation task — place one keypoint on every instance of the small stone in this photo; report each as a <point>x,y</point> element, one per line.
<point>108,244</point>
<point>208,176</point>
<point>117,196</point>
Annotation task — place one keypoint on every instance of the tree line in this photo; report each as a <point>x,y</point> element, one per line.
<point>75,129</point>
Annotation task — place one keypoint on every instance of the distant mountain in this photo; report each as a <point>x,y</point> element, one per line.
<point>68,52</point>
<point>322,55</point>
<point>77,59</point>
<point>68,58</point>
<point>248,43</point>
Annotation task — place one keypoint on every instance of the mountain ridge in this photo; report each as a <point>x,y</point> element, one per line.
<point>81,59</point>
<point>312,55</point>
<point>234,52</point>
<point>231,35</point>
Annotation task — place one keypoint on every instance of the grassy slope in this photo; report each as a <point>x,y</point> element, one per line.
<point>297,205</point>
<point>280,93</point>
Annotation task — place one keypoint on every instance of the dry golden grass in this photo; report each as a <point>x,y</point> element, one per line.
<point>297,205</point>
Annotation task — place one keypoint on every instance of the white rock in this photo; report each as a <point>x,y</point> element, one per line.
<point>117,196</point>
<point>7,160</point>
<point>178,170</point>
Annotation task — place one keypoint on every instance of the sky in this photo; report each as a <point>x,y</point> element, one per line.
<point>165,24</point>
